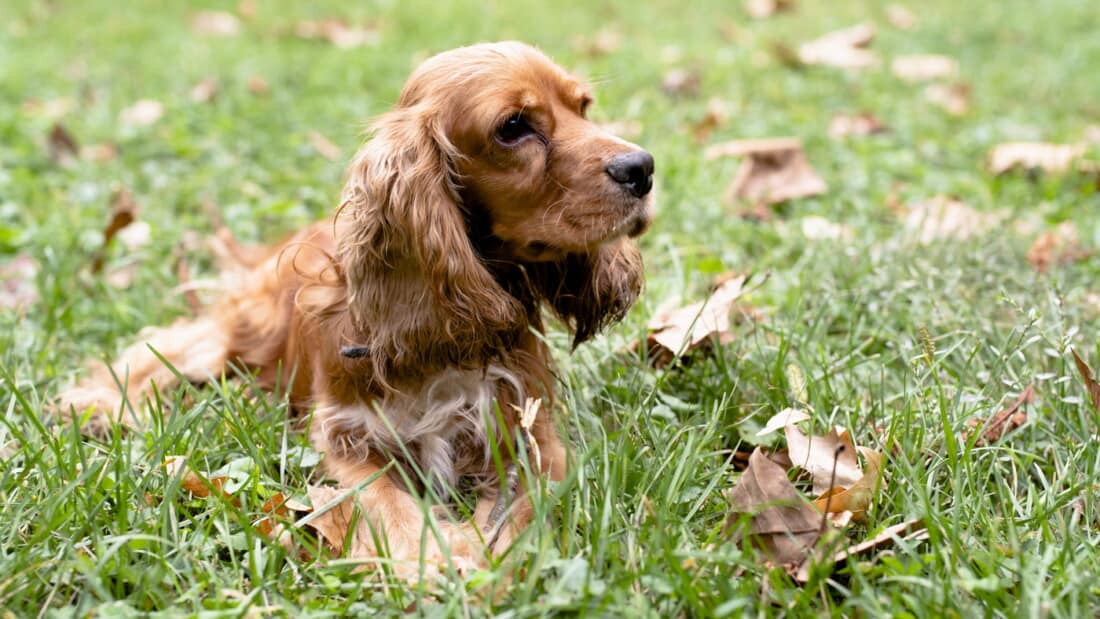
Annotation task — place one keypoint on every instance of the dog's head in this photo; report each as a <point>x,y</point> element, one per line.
<point>487,179</point>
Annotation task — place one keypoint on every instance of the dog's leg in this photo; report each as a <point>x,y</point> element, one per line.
<point>404,530</point>
<point>196,350</point>
<point>502,517</point>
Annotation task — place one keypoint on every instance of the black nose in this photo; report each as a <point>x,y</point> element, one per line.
<point>634,171</point>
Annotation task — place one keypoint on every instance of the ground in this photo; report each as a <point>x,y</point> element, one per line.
<point>900,341</point>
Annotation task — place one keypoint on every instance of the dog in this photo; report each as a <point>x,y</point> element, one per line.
<point>410,322</point>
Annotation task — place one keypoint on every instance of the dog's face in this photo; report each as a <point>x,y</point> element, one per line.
<point>486,163</point>
<point>546,180</point>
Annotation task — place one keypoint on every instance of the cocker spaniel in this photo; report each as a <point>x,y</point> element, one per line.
<point>410,322</point>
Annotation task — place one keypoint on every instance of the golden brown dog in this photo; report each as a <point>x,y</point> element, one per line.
<point>410,322</point>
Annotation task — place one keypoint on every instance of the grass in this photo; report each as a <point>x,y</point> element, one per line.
<point>97,527</point>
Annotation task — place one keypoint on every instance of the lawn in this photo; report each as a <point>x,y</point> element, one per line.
<point>900,341</point>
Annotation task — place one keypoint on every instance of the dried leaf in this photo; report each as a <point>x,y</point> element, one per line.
<point>1091,385</point>
<point>908,531</point>
<point>951,98</point>
<point>527,417</point>
<point>782,419</point>
<point>1057,246</point>
<point>774,170</point>
<point>682,329</point>
<point>62,147</point>
<point>759,9</point>
<point>783,524</point>
<point>204,91</point>
<point>324,146</point>
<point>17,287</point>
<point>123,213</point>
<point>257,85</point>
<point>606,41</point>
<point>681,82</point>
<point>843,48</point>
<point>215,23</point>
<point>142,113</point>
<point>338,33</point>
<point>339,522</point>
<point>900,17</point>
<point>1041,156</point>
<point>817,228</point>
<point>924,67</point>
<point>1003,422</point>
<point>52,110</point>
<point>99,152</point>
<point>830,460</point>
<point>945,217</point>
<point>864,123</point>
<point>198,485</point>
<point>716,115</point>
<point>856,497</point>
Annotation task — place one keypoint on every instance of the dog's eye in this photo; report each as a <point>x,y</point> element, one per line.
<point>513,130</point>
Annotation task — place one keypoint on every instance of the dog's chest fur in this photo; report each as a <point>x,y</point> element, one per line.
<point>452,408</point>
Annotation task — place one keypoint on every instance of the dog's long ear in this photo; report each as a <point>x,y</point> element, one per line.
<point>416,287</point>
<point>591,291</point>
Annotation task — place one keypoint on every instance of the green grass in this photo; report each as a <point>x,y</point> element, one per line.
<point>635,530</point>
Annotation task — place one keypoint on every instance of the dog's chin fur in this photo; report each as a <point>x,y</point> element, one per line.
<point>436,270</point>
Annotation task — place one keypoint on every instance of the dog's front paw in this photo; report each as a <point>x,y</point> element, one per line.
<point>94,409</point>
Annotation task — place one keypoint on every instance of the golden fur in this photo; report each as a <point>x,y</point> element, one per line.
<point>450,239</point>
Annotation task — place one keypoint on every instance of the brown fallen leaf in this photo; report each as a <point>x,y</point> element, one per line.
<point>678,330</point>
<point>782,524</point>
<point>830,460</point>
<point>204,91</point>
<point>53,110</point>
<point>324,146</point>
<point>845,48</point>
<point>1091,385</point>
<point>1058,246</point>
<point>17,287</point>
<point>1003,422</point>
<point>61,146</point>
<point>339,523</point>
<point>338,33</point>
<point>782,419</point>
<point>759,9</point>
<point>900,17</point>
<point>864,123</point>
<point>946,217</point>
<point>142,113</point>
<point>1029,156</point>
<point>924,67</point>
<point>257,85</point>
<point>196,484</point>
<point>681,82</point>
<point>951,98</point>
<point>908,531</point>
<point>855,498</point>
<point>774,170</point>
<point>605,41</point>
<point>215,23</point>
<point>717,113</point>
<point>99,153</point>
<point>123,213</point>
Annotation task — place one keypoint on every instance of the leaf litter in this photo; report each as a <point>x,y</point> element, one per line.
<point>773,170</point>
<point>846,49</point>
<point>677,330</point>
<point>791,531</point>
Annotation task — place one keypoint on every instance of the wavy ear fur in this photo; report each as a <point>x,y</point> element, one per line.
<point>417,291</point>
<point>591,291</point>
